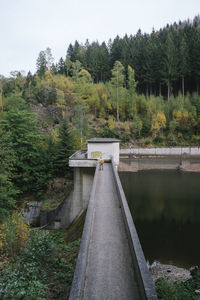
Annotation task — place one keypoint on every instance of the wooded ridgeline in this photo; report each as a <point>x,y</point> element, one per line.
<point>164,61</point>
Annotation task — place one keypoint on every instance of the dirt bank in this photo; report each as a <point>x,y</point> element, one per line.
<point>191,168</point>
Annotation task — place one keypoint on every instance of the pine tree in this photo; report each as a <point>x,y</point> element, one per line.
<point>184,64</point>
<point>61,68</point>
<point>30,171</point>
<point>41,64</point>
<point>170,73</point>
<point>63,150</point>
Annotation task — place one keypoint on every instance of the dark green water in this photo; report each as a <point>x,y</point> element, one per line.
<point>165,206</point>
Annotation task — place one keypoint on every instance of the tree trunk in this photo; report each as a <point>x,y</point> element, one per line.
<point>147,91</point>
<point>183,86</point>
<point>117,94</point>
<point>81,138</point>
<point>160,94</point>
<point>150,89</point>
<point>168,90</point>
<point>1,98</point>
<point>117,104</point>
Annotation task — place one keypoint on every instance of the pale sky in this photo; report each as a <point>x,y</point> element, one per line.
<point>29,26</point>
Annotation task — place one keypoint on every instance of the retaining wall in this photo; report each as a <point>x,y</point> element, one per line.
<point>162,151</point>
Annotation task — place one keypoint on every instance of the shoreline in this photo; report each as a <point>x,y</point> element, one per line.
<point>172,272</point>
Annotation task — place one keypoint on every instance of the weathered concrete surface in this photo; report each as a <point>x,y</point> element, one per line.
<point>83,180</point>
<point>162,151</point>
<point>108,148</point>
<point>32,213</point>
<point>74,204</point>
<point>148,163</point>
<point>134,164</point>
<point>109,273</point>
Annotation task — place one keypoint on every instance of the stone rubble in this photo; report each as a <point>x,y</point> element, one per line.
<point>173,273</point>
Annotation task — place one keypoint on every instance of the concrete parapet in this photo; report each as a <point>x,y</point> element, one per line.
<point>79,159</point>
<point>145,281</point>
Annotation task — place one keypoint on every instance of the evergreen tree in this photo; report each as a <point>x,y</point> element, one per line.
<point>170,73</point>
<point>41,64</point>
<point>104,62</point>
<point>116,50</point>
<point>93,61</point>
<point>64,150</point>
<point>184,63</point>
<point>30,170</point>
<point>194,54</point>
<point>61,67</point>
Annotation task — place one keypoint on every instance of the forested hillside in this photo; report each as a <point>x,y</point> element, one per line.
<point>143,89</point>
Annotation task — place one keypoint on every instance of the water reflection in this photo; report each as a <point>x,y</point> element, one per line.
<point>166,210</point>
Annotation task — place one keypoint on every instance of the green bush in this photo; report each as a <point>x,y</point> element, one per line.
<point>39,247</point>
<point>56,121</point>
<point>148,141</point>
<point>178,290</point>
<point>171,140</point>
<point>158,140</point>
<point>21,282</point>
<point>23,279</point>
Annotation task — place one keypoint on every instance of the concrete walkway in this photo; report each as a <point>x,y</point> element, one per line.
<point>109,272</point>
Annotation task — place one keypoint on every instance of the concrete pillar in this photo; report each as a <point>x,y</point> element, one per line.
<point>87,181</point>
<point>76,203</point>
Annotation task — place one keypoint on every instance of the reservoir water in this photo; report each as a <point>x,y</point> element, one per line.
<point>165,206</point>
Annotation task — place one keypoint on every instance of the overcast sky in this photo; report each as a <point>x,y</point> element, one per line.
<point>29,26</point>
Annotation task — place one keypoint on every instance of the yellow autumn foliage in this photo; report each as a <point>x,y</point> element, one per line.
<point>158,123</point>
<point>127,128</point>
<point>111,123</point>
<point>54,136</point>
<point>13,235</point>
<point>181,116</point>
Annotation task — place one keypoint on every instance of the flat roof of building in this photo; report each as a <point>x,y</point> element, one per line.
<point>103,140</point>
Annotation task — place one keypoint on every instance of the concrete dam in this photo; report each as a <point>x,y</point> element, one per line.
<point>111,263</point>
